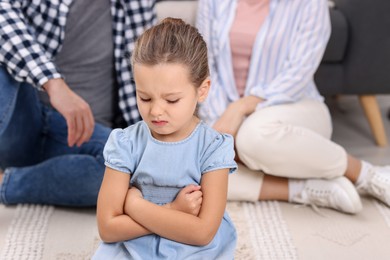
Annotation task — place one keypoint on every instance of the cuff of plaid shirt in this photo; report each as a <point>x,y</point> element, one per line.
<point>41,74</point>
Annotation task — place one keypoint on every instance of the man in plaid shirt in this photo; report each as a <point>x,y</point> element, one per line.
<point>64,64</point>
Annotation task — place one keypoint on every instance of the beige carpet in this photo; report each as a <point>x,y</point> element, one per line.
<point>267,230</point>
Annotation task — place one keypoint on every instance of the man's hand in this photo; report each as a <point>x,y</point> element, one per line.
<point>188,200</point>
<point>73,108</point>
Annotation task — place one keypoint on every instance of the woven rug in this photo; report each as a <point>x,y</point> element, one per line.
<point>266,230</point>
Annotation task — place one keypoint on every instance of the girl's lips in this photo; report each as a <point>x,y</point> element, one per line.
<point>159,123</point>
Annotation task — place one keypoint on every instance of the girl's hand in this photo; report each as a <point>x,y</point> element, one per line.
<point>188,200</point>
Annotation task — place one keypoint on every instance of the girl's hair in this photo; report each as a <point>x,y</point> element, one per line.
<point>173,41</point>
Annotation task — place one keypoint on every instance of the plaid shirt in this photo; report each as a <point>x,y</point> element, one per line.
<point>32,33</point>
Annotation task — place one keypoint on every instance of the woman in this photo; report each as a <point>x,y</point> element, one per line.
<point>262,61</point>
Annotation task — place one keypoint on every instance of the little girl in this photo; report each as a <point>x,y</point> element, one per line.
<point>176,165</point>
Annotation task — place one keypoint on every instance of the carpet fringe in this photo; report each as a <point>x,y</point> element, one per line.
<point>262,231</point>
<point>26,236</point>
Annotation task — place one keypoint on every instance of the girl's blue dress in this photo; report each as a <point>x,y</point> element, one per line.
<point>160,170</point>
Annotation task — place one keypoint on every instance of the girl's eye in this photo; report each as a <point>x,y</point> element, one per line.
<point>145,99</point>
<point>173,101</point>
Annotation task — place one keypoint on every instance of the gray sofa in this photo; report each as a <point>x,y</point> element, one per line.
<point>357,58</point>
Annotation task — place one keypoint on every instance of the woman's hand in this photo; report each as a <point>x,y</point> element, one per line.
<point>188,200</point>
<point>234,115</point>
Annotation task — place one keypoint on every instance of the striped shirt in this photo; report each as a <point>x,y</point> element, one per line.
<point>32,33</point>
<point>287,51</point>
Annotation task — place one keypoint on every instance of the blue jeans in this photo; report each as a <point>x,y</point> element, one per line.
<point>39,165</point>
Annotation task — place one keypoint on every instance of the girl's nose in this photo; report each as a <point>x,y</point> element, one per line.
<point>156,109</point>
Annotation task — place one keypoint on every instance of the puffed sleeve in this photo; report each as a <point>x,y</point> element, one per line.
<point>219,155</point>
<point>118,152</point>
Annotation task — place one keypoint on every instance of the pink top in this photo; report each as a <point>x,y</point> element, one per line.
<point>250,16</point>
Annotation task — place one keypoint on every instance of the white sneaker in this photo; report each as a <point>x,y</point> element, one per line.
<point>338,193</point>
<point>377,184</point>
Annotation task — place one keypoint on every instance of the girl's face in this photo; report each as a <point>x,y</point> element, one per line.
<point>167,99</point>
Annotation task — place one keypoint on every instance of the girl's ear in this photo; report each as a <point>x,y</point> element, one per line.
<point>203,90</point>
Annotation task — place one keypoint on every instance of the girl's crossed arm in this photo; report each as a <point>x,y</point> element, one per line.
<point>179,226</point>
<point>115,225</point>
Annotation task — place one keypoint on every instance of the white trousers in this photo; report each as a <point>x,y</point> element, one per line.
<point>288,140</point>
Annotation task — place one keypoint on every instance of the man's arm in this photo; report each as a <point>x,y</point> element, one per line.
<point>27,61</point>
<point>21,54</point>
